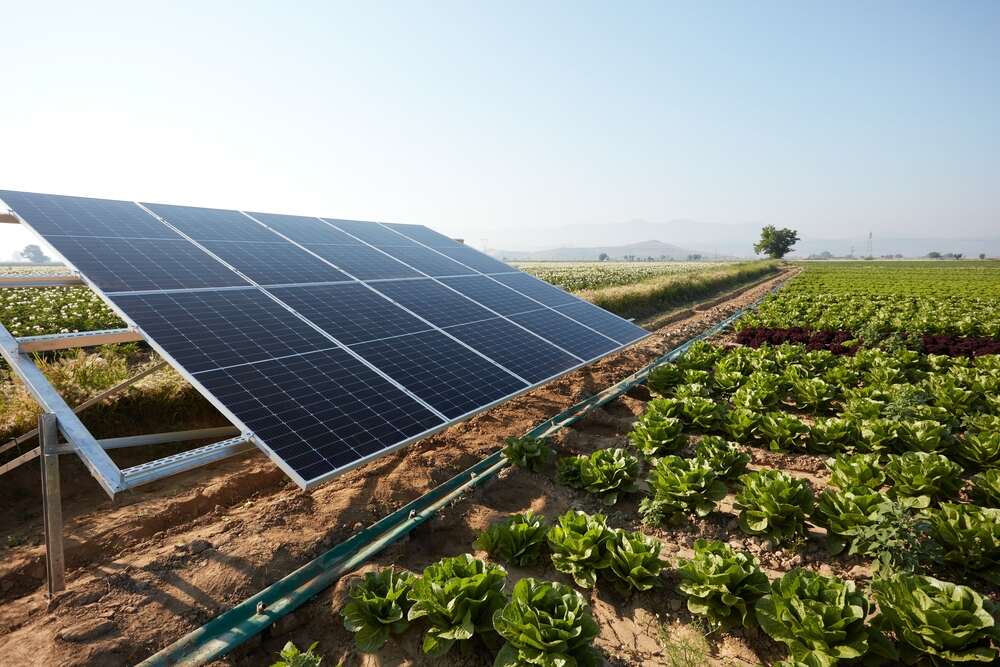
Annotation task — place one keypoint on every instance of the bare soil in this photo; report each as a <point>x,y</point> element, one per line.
<point>156,563</point>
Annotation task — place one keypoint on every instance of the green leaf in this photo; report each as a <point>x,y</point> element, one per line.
<point>578,543</point>
<point>721,583</point>
<point>378,604</point>
<point>518,540</point>
<point>774,504</point>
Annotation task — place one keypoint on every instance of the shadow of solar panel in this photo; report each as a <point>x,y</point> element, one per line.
<point>212,329</point>
<point>566,333</point>
<point>538,290</point>
<point>448,376</point>
<point>119,265</point>
<point>491,294</point>
<point>82,216</point>
<point>320,413</point>
<point>424,235</point>
<point>370,232</point>
<point>427,261</point>
<point>305,230</point>
<point>514,348</point>
<point>433,302</point>
<point>212,224</point>
<point>362,262</point>
<point>608,324</point>
<point>275,263</point>
<point>351,312</point>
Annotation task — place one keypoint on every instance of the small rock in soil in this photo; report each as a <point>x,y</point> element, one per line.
<point>199,545</point>
<point>86,631</point>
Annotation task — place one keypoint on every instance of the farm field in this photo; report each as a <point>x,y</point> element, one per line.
<point>578,276</point>
<point>778,504</point>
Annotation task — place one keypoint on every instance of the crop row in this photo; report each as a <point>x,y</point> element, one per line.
<point>578,276</point>
<point>871,300</point>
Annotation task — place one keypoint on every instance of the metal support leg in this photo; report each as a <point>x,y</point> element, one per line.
<point>52,503</point>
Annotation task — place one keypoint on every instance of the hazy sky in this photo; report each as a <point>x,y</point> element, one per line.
<point>834,118</point>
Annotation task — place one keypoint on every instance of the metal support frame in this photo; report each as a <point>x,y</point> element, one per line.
<point>65,341</point>
<point>38,280</point>
<point>55,560</point>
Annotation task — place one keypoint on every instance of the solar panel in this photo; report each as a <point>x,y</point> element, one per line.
<point>492,294</point>
<point>305,230</point>
<point>621,330</point>
<point>346,340</point>
<point>212,329</point>
<point>360,314</point>
<point>433,301</point>
<point>526,354</point>
<point>567,334</point>
<point>116,265</point>
<point>424,235</point>
<point>274,263</point>
<point>362,262</point>
<point>536,289</point>
<point>427,261</point>
<point>445,374</point>
<point>319,413</point>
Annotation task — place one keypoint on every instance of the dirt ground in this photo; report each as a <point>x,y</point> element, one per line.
<point>158,562</point>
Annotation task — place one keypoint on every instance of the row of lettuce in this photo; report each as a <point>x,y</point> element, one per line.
<point>821,619</point>
<point>873,300</point>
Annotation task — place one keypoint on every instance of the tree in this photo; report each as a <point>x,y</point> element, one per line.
<point>934,254</point>
<point>603,257</point>
<point>776,243</point>
<point>34,254</point>
<point>958,255</point>
<point>982,255</point>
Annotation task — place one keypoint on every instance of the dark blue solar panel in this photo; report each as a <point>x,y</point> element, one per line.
<point>212,224</point>
<point>514,348</point>
<point>433,302</point>
<point>352,313</point>
<point>370,232</point>
<point>275,263</point>
<point>608,324</point>
<point>305,230</point>
<point>362,262</point>
<point>127,265</point>
<point>476,260</point>
<point>81,216</point>
<point>566,333</point>
<point>498,297</point>
<point>538,290</point>
<point>424,235</point>
<point>321,412</point>
<point>443,373</point>
<point>210,329</point>
<point>427,261</point>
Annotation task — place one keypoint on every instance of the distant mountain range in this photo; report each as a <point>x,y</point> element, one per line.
<point>680,238</point>
<point>642,250</point>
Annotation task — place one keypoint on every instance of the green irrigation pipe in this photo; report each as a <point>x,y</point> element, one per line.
<point>228,630</point>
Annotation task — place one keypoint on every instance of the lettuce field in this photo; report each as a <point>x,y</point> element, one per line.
<point>822,490</point>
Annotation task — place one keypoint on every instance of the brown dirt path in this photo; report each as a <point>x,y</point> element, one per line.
<point>156,563</point>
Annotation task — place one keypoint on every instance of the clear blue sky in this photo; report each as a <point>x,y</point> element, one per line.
<point>469,117</point>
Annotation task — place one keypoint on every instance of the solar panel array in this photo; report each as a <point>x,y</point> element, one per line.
<point>330,341</point>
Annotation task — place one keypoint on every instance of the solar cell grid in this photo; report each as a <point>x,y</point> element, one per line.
<point>362,262</point>
<point>424,235</point>
<point>120,265</point>
<point>83,216</point>
<point>566,333</point>
<point>446,375</point>
<point>476,260</point>
<point>212,224</point>
<point>319,412</point>
<point>212,329</point>
<point>497,297</point>
<point>427,261</point>
<point>433,302</point>
<point>536,289</point>
<point>275,263</point>
<point>621,330</point>
<point>351,312</point>
<point>370,232</point>
<point>305,230</point>
<point>525,354</point>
